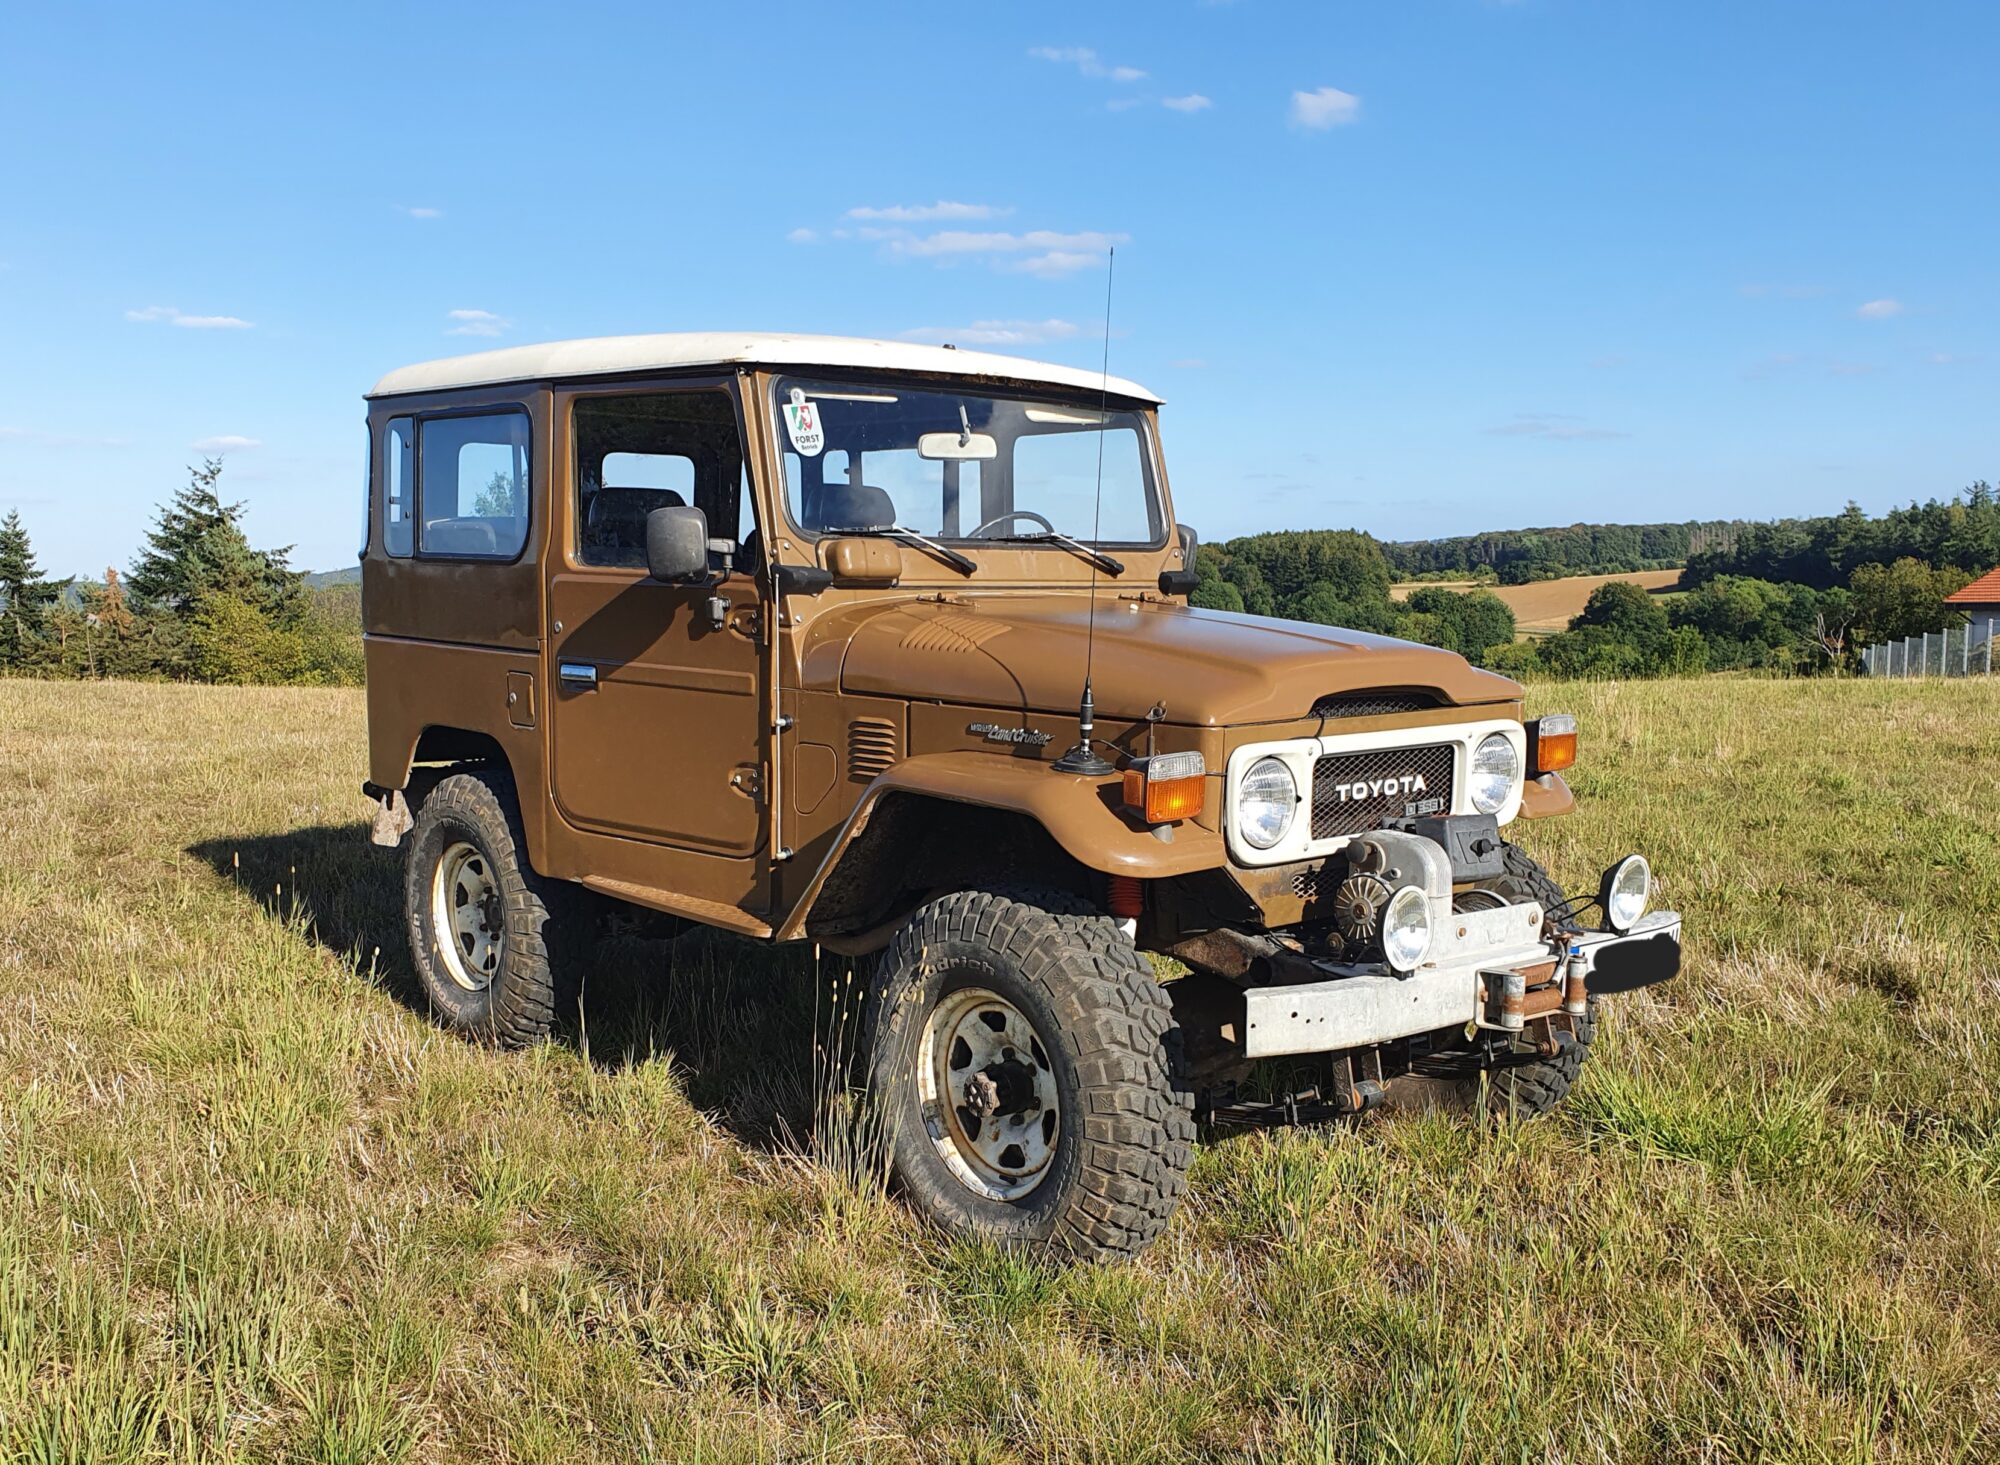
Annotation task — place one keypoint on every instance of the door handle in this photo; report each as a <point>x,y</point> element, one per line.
<point>578,676</point>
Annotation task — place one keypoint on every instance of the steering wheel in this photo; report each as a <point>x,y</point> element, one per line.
<point>1011,514</point>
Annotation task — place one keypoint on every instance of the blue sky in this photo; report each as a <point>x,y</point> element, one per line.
<point>1417,266</point>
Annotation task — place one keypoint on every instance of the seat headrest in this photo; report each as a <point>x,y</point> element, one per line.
<point>855,506</point>
<point>622,511</point>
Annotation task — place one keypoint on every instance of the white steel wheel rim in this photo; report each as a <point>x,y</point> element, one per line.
<point>988,1094</point>
<point>467,915</point>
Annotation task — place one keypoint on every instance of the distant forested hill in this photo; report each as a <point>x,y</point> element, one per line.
<point>1517,556</point>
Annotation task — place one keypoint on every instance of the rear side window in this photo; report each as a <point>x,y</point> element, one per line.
<point>399,481</point>
<point>473,486</point>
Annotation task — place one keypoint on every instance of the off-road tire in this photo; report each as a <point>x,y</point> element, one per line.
<point>1120,1159</point>
<point>542,938</point>
<point>1520,1088</point>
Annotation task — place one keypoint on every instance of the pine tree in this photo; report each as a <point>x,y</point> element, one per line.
<point>198,548</point>
<point>25,597</point>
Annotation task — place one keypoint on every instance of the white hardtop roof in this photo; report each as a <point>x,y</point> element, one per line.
<point>620,355</point>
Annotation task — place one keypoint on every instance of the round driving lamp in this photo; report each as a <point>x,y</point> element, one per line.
<point>1406,928</point>
<point>1626,891</point>
<point>1496,768</point>
<point>1266,801</point>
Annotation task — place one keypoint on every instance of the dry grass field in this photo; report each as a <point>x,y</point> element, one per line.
<point>1549,605</point>
<point>254,1206</point>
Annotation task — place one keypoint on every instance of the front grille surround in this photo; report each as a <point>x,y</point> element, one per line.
<point>1420,776</point>
<point>1323,826</point>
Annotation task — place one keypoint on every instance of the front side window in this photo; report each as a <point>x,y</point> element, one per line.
<point>399,482</point>
<point>473,485</point>
<point>963,465</point>
<point>648,451</point>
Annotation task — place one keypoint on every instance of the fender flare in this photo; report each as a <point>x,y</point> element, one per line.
<point>1084,816</point>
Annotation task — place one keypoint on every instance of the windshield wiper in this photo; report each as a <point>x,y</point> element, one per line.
<point>964,564</point>
<point>1097,557</point>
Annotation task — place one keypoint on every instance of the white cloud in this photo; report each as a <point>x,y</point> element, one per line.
<point>172,316</point>
<point>1556,426</point>
<point>475,323</point>
<point>1329,106</point>
<point>944,210</point>
<point>802,236</point>
<point>998,333</point>
<point>1048,253</point>
<point>1192,102</point>
<point>1880,309</point>
<point>1085,60</point>
<point>227,442</point>
<point>1054,264</point>
<point>996,241</point>
<point>421,211</point>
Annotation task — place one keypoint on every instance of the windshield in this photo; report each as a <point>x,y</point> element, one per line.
<point>960,465</point>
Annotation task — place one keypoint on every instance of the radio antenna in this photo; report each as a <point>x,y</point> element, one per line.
<point>1082,758</point>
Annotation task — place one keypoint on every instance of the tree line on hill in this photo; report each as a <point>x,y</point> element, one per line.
<point>1797,597</point>
<point>198,604</point>
<point>1522,556</point>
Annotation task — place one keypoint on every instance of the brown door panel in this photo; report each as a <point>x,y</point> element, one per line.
<point>659,739</point>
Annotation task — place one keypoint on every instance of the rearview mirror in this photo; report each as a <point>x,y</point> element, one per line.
<point>676,543</point>
<point>1184,580</point>
<point>957,447</point>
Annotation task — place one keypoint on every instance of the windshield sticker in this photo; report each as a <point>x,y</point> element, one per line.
<point>802,425</point>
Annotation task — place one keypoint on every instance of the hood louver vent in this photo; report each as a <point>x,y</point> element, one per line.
<point>871,748</point>
<point>1373,704</point>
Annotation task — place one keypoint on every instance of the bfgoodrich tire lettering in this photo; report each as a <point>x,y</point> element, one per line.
<point>517,968</point>
<point>1126,1133</point>
<point>1521,1087</point>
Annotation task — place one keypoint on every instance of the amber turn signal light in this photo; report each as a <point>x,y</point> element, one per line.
<point>1551,744</point>
<point>1166,787</point>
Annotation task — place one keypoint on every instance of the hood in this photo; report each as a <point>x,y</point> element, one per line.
<point>1211,668</point>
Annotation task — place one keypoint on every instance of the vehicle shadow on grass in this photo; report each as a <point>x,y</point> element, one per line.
<point>756,1035</point>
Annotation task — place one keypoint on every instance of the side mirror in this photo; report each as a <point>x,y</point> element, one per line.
<point>676,544</point>
<point>1184,580</point>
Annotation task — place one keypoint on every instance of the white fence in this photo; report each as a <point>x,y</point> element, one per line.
<point>1962,651</point>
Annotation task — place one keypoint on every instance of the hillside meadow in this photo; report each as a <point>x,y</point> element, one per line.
<point>254,1206</point>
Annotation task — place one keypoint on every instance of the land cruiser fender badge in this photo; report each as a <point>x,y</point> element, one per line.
<point>994,733</point>
<point>802,425</point>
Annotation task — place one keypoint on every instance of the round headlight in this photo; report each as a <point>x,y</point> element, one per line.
<point>1266,800</point>
<point>1496,768</point>
<point>1628,889</point>
<point>1406,928</point>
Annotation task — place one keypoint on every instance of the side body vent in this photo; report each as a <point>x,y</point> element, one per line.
<point>871,748</point>
<point>1374,704</point>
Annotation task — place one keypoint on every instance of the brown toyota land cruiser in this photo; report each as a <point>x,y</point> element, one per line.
<point>888,647</point>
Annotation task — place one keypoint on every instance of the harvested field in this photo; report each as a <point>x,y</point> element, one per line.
<point>1548,605</point>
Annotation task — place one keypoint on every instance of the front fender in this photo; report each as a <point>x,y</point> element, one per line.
<point>1085,816</point>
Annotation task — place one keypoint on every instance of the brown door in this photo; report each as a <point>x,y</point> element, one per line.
<point>654,689</point>
<point>655,710</point>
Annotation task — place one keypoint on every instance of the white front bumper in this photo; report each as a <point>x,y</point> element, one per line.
<point>1363,1007</point>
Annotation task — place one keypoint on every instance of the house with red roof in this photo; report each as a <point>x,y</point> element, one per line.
<point>1979,602</point>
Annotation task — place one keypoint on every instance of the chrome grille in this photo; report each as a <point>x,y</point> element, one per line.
<point>1372,704</point>
<point>1423,785</point>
